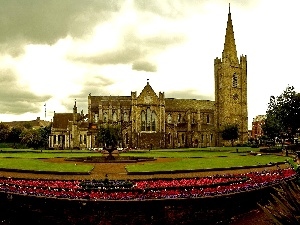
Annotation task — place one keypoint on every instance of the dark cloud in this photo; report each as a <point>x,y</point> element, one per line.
<point>45,22</point>
<point>188,94</point>
<point>144,66</point>
<point>35,21</point>
<point>94,86</point>
<point>132,49</point>
<point>159,41</point>
<point>15,99</point>
<point>180,8</point>
<point>124,55</point>
<point>243,4</point>
<point>169,8</point>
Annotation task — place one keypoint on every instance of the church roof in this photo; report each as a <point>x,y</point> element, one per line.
<point>110,100</point>
<point>188,104</point>
<point>148,90</point>
<point>61,120</point>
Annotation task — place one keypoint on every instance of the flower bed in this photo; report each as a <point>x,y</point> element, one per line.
<point>146,189</point>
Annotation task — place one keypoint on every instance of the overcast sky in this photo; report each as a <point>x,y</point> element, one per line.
<point>57,51</point>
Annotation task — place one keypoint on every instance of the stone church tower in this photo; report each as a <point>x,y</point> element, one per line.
<point>231,88</point>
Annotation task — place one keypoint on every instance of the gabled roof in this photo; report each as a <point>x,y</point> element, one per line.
<point>61,120</point>
<point>147,95</point>
<point>148,90</point>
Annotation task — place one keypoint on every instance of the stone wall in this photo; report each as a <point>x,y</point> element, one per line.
<point>21,209</point>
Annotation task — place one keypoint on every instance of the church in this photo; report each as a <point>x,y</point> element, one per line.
<point>149,120</point>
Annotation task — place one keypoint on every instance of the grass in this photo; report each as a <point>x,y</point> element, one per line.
<point>191,153</point>
<point>39,165</point>
<point>185,159</point>
<point>44,154</point>
<point>205,163</point>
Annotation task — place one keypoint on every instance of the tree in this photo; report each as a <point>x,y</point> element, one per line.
<point>31,138</point>
<point>272,126</point>
<point>283,115</point>
<point>109,136</point>
<point>4,132</point>
<point>27,125</point>
<point>230,133</point>
<point>14,135</point>
<point>45,132</point>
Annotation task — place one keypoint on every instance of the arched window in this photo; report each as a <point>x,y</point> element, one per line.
<point>148,120</point>
<point>234,80</point>
<point>169,119</point>
<point>153,121</point>
<point>169,138</point>
<point>207,118</point>
<point>179,118</point>
<point>193,118</point>
<point>93,117</point>
<point>143,121</point>
<point>114,117</point>
<point>105,117</point>
<point>126,139</point>
<point>126,119</point>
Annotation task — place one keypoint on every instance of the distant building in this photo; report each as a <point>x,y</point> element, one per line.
<point>257,124</point>
<point>35,124</point>
<point>152,120</point>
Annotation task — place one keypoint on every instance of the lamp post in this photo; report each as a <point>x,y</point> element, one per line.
<point>68,138</point>
<point>138,139</point>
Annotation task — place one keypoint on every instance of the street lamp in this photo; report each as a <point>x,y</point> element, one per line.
<point>68,137</point>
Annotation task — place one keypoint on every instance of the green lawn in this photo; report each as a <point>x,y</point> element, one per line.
<point>192,153</point>
<point>39,165</point>
<point>187,159</point>
<point>206,163</point>
<point>45,154</point>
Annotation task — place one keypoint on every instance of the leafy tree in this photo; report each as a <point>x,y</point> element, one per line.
<point>109,136</point>
<point>27,125</point>
<point>4,132</point>
<point>14,135</point>
<point>230,133</point>
<point>283,115</point>
<point>45,132</point>
<point>31,138</point>
<point>272,127</point>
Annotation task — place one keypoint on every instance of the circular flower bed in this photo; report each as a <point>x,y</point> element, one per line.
<point>146,189</point>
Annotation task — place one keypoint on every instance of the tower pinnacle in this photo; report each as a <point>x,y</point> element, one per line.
<point>229,51</point>
<point>75,107</point>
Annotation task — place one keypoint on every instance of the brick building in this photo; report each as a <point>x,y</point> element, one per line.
<point>149,119</point>
<point>257,123</point>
